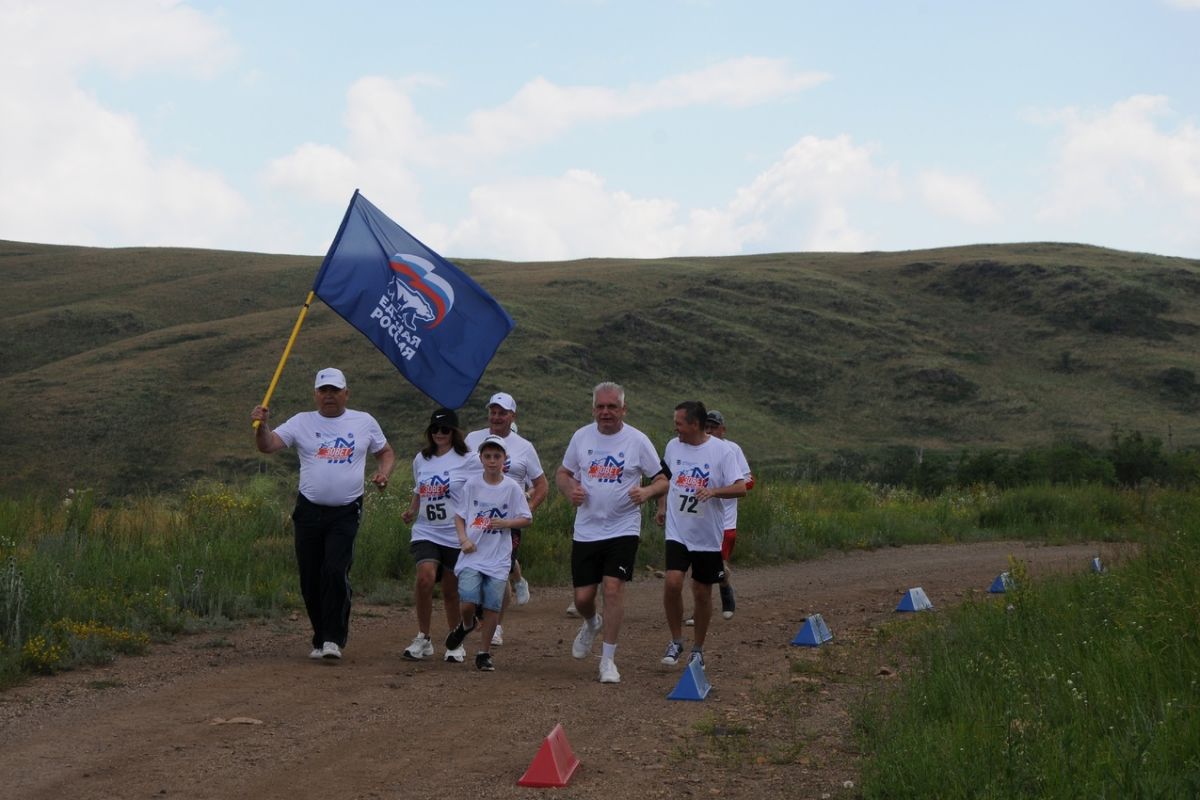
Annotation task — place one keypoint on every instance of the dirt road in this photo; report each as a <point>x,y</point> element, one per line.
<point>245,713</point>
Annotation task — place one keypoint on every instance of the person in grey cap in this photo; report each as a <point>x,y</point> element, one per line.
<point>714,425</point>
<point>332,443</point>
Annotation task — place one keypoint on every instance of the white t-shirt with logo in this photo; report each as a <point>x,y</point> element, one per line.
<point>521,462</point>
<point>608,466</point>
<point>333,453</point>
<point>730,504</point>
<point>698,525</point>
<point>438,482</point>
<point>481,503</point>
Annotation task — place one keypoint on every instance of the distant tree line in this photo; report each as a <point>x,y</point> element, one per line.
<point>1129,459</point>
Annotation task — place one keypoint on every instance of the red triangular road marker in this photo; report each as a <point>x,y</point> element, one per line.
<point>554,763</point>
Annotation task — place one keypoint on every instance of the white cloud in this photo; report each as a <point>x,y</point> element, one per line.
<point>541,110</point>
<point>386,132</point>
<point>316,170</point>
<point>1123,161</point>
<point>75,171</point>
<point>58,37</point>
<point>805,201</point>
<point>387,138</point>
<point>571,216</point>
<point>958,197</point>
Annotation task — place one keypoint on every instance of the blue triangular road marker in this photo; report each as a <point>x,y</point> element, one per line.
<point>693,684</point>
<point>914,600</point>
<point>1002,583</point>
<point>814,633</point>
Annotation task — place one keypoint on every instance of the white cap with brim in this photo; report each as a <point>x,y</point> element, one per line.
<point>495,441</point>
<point>330,376</point>
<point>504,400</point>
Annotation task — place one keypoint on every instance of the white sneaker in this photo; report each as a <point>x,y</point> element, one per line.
<point>586,636</point>
<point>690,621</point>
<point>331,650</point>
<point>498,637</point>
<point>420,649</point>
<point>316,653</point>
<point>457,656</point>
<point>521,588</point>
<point>608,671</point>
<point>572,611</point>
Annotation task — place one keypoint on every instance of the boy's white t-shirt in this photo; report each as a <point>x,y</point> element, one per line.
<point>730,504</point>
<point>438,482</point>
<point>698,525</point>
<point>482,502</point>
<point>521,462</point>
<point>333,453</point>
<point>608,466</point>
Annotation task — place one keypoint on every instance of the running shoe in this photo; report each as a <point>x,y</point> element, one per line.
<point>331,651</point>
<point>608,671</point>
<point>420,649</point>
<point>728,602</point>
<point>521,588</point>
<point>572,611</point>
<point>498,636</point>
<point>697,655</point>
<point>457,656</point>
<point>674,652</point>
<point>316,654</point>
<point>455,638</point>
<point>690,621</point>
<point>586,636</point>
<point>483,662</point>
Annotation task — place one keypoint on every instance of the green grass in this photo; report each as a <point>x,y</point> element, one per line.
<point>154,567</point>
<point>1087,686</point>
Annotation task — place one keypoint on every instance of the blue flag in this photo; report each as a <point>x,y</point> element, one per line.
<point>432,321</point>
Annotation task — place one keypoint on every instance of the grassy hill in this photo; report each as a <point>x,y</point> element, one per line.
<point>135,369</point>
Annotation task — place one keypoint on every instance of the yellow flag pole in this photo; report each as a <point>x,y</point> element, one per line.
<point>286,352</point>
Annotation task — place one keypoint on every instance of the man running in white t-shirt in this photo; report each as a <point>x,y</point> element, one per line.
<point>702,468</point>
<point>522,465</point>
<point>602,474</point>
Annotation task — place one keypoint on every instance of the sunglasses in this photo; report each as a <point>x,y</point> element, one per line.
<point>440,429</point>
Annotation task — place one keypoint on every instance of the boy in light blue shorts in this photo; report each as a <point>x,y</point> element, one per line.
<point>492,506</point>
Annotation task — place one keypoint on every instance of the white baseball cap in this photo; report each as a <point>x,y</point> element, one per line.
<point>330,377</point>
<point>498,441</point>
<point>504,400</point>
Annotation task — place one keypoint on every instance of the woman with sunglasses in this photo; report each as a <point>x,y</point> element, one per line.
<point>438,478</point>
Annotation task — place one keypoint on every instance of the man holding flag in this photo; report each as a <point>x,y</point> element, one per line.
<point>332,443</point>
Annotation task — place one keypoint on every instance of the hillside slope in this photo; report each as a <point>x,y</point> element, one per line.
<point>135,369</point>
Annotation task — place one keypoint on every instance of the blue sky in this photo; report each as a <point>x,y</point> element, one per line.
<point>572,128</point>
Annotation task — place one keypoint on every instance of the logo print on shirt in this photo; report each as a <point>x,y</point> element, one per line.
<point>693,480</point>
<point>436,488</point>
<point>340,451</point>
<point>483,518</point>
<point>609,469</point>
